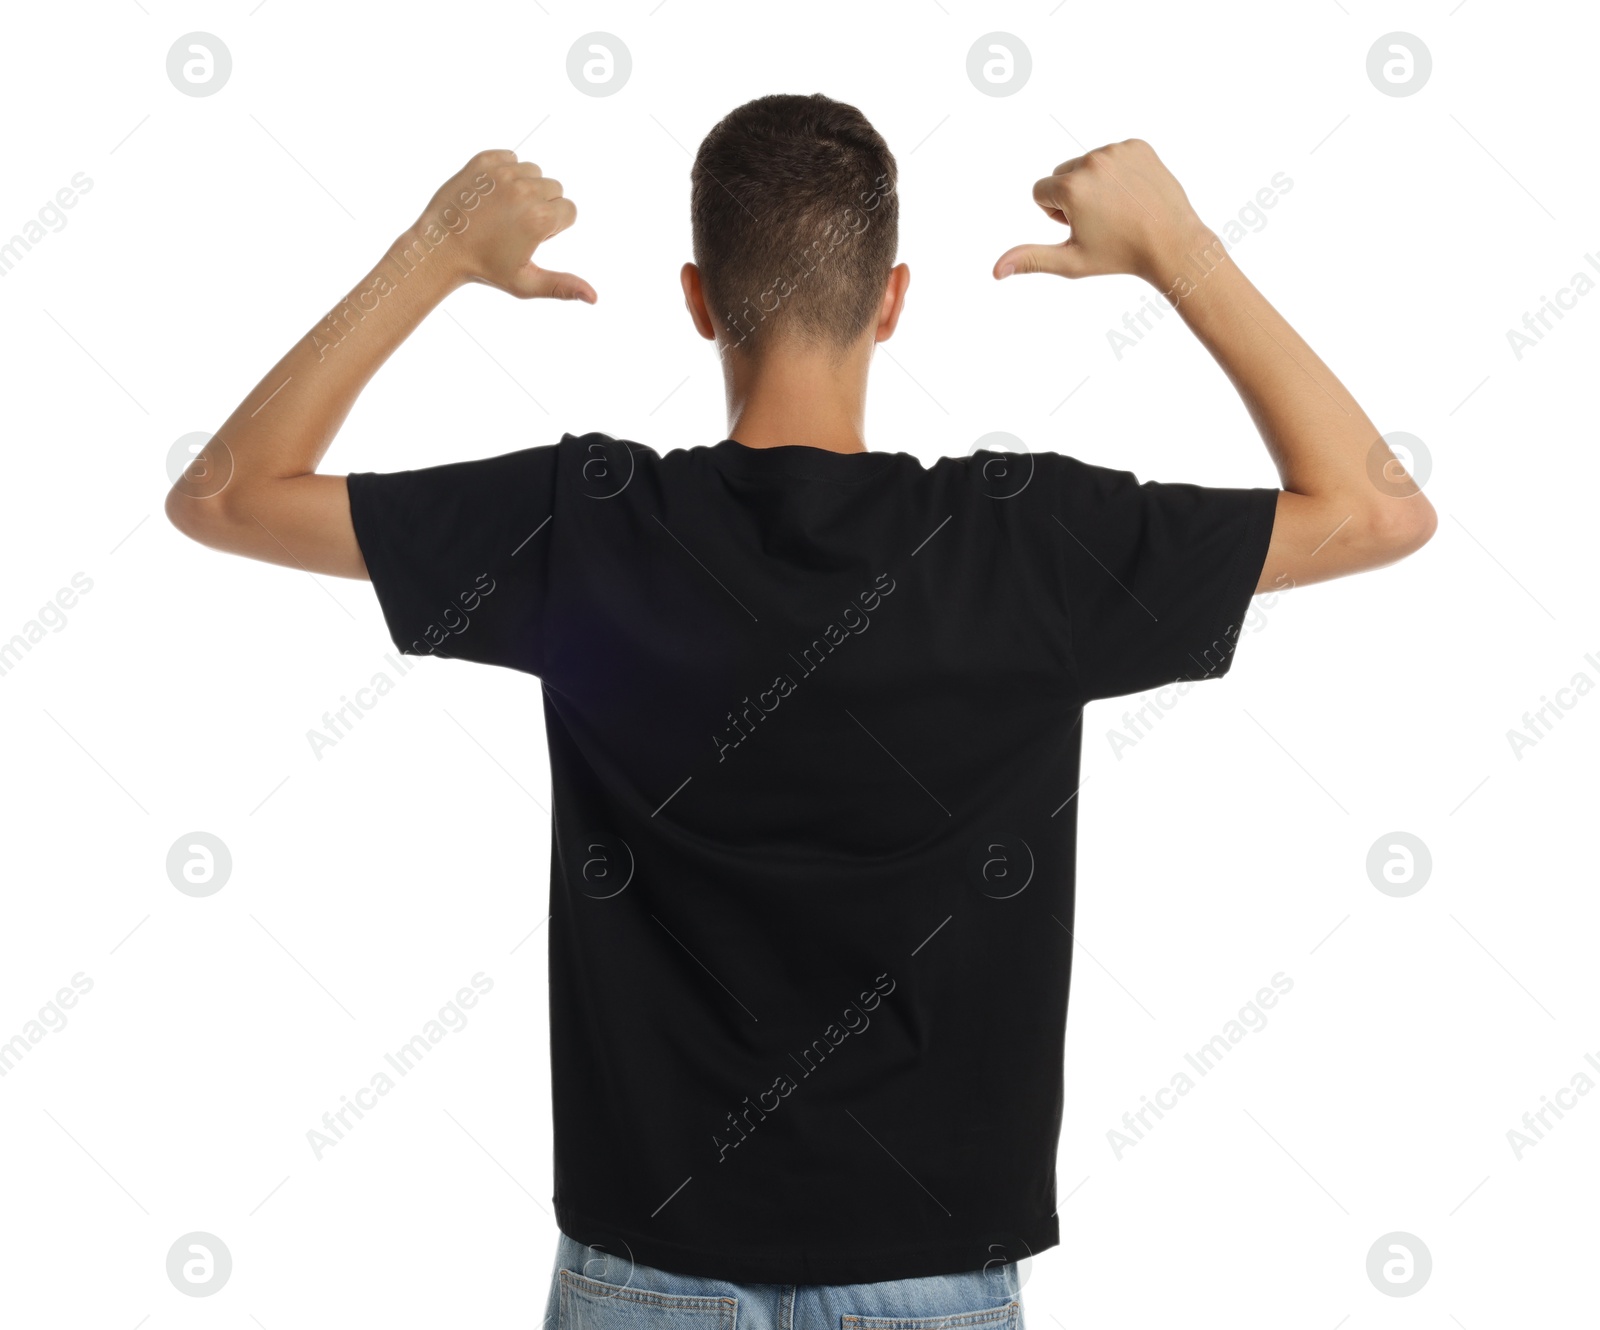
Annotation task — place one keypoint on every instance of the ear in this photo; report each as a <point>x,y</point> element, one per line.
<point>894,300</point>
<point>695,301</point>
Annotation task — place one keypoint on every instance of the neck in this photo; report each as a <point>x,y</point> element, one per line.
<point>799,398</point>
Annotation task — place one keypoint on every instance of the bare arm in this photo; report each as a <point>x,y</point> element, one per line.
<point>1129,215</point>
<point>254,489</point>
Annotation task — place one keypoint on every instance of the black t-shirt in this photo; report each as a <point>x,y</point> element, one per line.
<point>814,732</point>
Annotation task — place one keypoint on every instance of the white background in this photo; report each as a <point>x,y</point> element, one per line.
<point>1229,845</point>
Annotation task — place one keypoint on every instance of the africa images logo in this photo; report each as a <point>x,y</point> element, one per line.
<point>854,618</point>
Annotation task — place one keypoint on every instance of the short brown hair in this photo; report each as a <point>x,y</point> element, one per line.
<point>795,220</point>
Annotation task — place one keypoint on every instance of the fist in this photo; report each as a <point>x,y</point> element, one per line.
<point>1127,214</point>
<point>487,220</point>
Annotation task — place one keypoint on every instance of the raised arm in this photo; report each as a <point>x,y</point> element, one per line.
<point>254,489</point>
<point>1129,215</point>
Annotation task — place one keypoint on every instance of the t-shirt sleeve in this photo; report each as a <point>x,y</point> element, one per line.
<point>1159,576</point>
<point>458,554</point>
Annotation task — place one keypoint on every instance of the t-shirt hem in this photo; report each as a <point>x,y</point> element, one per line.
<point>811,1265</point>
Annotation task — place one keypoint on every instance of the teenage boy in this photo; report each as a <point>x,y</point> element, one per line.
<point>813,711</point>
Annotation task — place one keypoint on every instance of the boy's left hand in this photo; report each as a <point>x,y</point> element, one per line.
<point>1127,212</point>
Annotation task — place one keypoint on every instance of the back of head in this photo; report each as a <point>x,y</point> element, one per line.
<point>795,221</point>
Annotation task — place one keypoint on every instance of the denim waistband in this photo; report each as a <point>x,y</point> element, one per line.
<point>594,1289</point>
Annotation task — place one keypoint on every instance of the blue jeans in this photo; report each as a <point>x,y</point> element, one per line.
<point>596,1290</point>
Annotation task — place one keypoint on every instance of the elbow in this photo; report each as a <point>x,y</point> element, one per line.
<point>204,501</point>
<point>1399,527</point>
<point>203,519</point>
<point>184,512</point>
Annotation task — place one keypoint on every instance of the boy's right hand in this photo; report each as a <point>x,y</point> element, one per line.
<point>492,215</point>
<point>1127,212</point>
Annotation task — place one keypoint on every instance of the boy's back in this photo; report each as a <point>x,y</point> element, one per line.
<point>814,740</point>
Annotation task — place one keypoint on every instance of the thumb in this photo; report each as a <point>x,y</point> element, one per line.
<point>533,282</point>
<point>1064,260</point>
